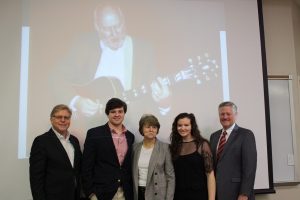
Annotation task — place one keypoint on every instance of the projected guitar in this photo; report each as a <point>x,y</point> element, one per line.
<point>203,70</point>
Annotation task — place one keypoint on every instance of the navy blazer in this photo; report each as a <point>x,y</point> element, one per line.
<point>101,170</point>
<point>236,168</point>
<point>52,176</point>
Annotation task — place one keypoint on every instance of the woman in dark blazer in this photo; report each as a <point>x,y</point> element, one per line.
<point>153,173</point>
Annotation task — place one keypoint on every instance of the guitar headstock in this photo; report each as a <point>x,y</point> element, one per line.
<point>202,69</point>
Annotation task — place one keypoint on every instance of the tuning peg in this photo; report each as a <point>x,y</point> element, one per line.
<point>143,89</point>
<point>135,93</point>
<point>198,81</point>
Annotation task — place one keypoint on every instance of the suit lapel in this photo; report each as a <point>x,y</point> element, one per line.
<point>153,160</point>
<point>95,55</point>
<point>136,156</point>
<point>76,151</point>
<point>129,145</point>
<point>111,145</point>
<point>62,152</point>
<point>215,141</point>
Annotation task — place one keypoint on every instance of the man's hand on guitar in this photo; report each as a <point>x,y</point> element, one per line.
<point>160,89</point>
<point>87,106</point>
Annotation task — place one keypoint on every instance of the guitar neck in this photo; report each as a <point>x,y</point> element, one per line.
<point>205,73</point>
<point>201,70</point>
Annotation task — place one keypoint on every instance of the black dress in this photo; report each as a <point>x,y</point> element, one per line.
<point>190,168</point>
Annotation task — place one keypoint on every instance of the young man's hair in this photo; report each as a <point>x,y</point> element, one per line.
<point>115,103</point>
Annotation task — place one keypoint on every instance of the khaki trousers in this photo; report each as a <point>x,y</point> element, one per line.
<point>119,194</point>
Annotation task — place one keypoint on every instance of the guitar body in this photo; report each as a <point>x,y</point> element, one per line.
<point>102,89</point>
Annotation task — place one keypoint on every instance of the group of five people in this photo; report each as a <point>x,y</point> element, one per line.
<point>113,167</point>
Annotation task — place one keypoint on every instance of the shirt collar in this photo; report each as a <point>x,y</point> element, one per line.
<point>113,131</point>
<point>60,136</point>
<point>229,130</point>
<point>104,47</point>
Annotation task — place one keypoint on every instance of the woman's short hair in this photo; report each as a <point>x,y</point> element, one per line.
<point>148,119</point>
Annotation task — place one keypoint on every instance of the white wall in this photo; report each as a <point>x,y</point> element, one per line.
<point>282,31</point>
<point>9,74</point>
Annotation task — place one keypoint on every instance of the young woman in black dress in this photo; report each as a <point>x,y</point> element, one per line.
<point>192,159</point>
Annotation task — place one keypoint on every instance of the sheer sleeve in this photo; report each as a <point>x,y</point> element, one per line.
<point>205,151</point>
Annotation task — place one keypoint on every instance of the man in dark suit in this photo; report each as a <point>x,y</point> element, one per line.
<point>106,166</point>
<point>55,160</point>
<point>235,157</point>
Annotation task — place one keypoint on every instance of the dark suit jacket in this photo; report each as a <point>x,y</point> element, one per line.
<point>52,176</point>
<point>236,168</point>
<point>101,171</point>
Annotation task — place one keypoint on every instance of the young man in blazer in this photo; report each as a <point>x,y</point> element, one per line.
<point>55,160</point>
<point>106,166</point>
<point>235,157</point>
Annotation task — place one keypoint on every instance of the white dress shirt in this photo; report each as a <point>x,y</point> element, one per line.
<point>67,145</point>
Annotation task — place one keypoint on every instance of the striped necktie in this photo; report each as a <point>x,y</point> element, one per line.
<point>221,145</point>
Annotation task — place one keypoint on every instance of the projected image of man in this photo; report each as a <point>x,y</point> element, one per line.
<point>107,63</point>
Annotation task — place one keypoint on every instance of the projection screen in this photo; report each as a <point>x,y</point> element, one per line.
<point>176,56</point>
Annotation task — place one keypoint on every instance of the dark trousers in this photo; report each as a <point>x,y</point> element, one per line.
<point>141,193</point>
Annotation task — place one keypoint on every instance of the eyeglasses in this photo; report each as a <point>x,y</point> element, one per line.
<point>59,117</point>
